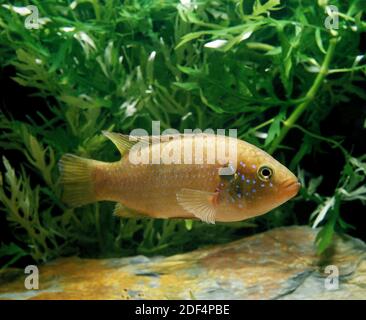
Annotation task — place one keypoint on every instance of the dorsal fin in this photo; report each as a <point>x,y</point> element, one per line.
<point>121,141</point>
<point>124,142</point>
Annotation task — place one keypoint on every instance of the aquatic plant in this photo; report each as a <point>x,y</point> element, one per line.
<point>271,69</point>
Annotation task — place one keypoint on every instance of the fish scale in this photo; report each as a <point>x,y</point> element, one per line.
<point>256,182</point>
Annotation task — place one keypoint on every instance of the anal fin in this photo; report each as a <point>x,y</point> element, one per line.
<point>122,211</point>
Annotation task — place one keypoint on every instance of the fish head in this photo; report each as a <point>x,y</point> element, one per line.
<point>260,182</point>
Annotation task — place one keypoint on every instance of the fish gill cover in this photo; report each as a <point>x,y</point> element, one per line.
<point>289,75</point>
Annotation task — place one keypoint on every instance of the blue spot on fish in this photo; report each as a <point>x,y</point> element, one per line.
<point>254,190</point>
<point>248,181</point>
<point>254,182</point>
<point>242,177</point>
<point>239,195</point>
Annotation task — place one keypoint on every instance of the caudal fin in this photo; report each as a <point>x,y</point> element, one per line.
<point>78,180</point>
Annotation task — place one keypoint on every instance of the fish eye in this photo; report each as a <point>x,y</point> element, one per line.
<point>265,173</point>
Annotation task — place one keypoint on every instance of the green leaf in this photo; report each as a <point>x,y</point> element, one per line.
<point>12,251</point>
<point>324,237</point>
<point>319,41</point>
<point>314,184</point>
<point>188,224</point>
<point>191,36</point>
<point>275,128</point>
<point>189,86</point>
<point>189,71</point>
<point>270,5</point>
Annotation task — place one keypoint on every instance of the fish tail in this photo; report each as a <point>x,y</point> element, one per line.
<point>78,180</point>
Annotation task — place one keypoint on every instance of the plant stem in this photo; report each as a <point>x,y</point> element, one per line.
<point>309,97</point>
<point>264,124</point>
<point>347,69</point>
<point>260,46</point>
<point>96,9</point>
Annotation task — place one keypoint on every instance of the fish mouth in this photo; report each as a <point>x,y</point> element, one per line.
<point>292,187</point>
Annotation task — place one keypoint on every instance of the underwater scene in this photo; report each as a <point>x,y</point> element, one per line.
<point>182,150</point>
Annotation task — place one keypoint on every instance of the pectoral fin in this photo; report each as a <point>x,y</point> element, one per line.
<point>201,204</point>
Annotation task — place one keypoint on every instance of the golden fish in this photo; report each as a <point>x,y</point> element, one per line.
<point>256,182</point>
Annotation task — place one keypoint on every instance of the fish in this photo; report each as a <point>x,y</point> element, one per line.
<point>232,186</point>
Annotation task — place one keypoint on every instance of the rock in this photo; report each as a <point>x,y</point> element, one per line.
<point>278,264</point>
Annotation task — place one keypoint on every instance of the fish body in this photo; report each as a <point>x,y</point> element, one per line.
<point>253,183</point>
